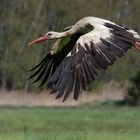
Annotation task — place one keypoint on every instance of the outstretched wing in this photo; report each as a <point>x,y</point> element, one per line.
<point>92,52</point>
<point>45,69</point>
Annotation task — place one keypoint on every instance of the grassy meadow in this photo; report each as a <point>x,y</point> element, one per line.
<point>73,123</point>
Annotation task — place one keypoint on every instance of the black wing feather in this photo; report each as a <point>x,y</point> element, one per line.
<point>44,70</point>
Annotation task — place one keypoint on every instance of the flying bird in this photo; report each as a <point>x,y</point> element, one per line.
<point>80,52</point>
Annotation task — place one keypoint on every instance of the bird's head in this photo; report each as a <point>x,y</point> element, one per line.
<point>47,36</point>
<point>53,35</point>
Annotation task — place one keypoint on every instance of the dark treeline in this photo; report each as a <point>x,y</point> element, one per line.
<point>23,20</point>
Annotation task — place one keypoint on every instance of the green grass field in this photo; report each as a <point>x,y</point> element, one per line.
<point>78,123</point>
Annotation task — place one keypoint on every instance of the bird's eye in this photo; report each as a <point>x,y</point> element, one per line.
<point>49,34</point>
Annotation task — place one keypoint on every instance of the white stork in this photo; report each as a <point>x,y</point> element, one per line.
<point>80,52</point>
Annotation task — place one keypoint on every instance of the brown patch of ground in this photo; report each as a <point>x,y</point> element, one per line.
<point>111,91</point>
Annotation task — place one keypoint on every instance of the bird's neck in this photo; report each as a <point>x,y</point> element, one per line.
<point>62,34</point>
<point>65,33</point>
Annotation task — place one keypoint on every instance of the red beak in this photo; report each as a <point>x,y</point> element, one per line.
<point>38,40</point>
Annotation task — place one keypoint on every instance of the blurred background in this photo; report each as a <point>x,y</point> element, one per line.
<point>29,113</point>
<point>24,20</point>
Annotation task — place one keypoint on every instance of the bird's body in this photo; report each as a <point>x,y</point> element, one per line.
<point>81,51</point>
